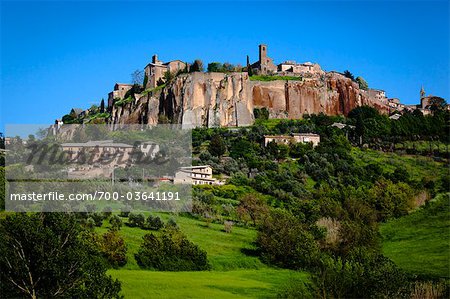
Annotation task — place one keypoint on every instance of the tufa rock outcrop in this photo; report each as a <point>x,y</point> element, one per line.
<point>218,99</point>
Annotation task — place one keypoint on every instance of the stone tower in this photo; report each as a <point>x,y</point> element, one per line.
<point>262,53</point>
<point>422,92</point>
<point>265,64</point>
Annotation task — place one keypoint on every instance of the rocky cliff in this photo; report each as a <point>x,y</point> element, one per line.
<point>218,99</point>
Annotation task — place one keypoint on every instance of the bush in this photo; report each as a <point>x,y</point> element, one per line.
<point>363,275</point>
<point>116,222</point>
<point>171,251</point>
<point>154,223</point>
<point>107,212</point>
<point>286,242</point>
<point>98,219</point>
<point>136,220</point>
<point>171,223</point>
<point>114,249</point>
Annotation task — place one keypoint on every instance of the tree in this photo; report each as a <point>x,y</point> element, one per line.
<point>217,146</point>
<point>285,241</point>
<point>253,207</point>
<point>137,77</point>
<point>168,76</point>
<point>102,106</point>
<point>349,75</point>
<point>362,83</point>
<point>197,66</point>
<point>44,255</point>
<point>114,248</point>
<point>437,104</point>
<point>249,67</point>
<point>214,67</point>
<point>67,119</point>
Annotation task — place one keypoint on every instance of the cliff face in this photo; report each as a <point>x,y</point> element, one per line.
<point>217,99</point>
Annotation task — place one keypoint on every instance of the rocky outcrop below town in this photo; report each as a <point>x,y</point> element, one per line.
<point>219,99</point>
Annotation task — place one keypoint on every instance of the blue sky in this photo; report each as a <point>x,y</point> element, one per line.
<point>59,55</point>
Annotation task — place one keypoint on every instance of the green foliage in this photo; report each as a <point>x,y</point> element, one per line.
<point>124,101</point>
<point>113,248</point>
<point>362,275</point>
<point>252,207</point>
<point>349,75</point>
<point>391,200</point>
<point>362,83</point>
<point>261,113</point>
<point>217,146</point>
<point>285,241</point>
<point>218,67</point>
<point>44,255</point>
<point>154,222</point>
<point>136,220</point>
<point>197,66</point>
<point>116,222</point>
<point>171,251</point>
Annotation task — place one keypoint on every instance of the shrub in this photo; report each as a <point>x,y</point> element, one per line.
<point>171,251</point>
<point>154,223</point>
<point>136,220</point>
<point>98,218</point>
<point>171,223</point>
<point>107,212</point>
<point>283,240</point>
<point>90,223</point>
<point>113,248</point>
<point>116,222</point>
<point>227,226</point>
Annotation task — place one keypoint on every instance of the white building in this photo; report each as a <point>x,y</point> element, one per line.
<point>195,175</point>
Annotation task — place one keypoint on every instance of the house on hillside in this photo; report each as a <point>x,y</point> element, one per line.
<point>293,138</point>
<point>195,175</point>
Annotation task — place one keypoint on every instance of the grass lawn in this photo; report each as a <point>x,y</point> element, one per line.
<point>224,249</point>
<point>420,242</point>
<point>205,284</point>
<point>417,166</point>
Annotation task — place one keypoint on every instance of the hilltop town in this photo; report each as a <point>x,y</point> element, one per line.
<point>227,95</point>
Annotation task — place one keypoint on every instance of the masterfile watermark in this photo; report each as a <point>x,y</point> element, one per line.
<point>63,168</point>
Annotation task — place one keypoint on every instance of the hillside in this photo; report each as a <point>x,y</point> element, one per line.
<point>418,242</point>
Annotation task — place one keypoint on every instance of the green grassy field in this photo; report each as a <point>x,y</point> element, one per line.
<point>234,274</point>
<point>420,242</point>
<point>417,166</point>
<point>205,284</point>
<point>225,250</point>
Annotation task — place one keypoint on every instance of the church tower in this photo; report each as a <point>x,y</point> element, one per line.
<point>422,92</point>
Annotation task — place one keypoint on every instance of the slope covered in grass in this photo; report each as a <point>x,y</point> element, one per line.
<point>226,251</point>
<point>419,243</point>
<point>228,284</point>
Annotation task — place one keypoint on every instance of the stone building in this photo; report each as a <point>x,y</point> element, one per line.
<point>156,69</point>
<point>265,64</point>
<point>378,95</point>
<point>306,68</point>
<point>293,138</point>
<point>120,89</point>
